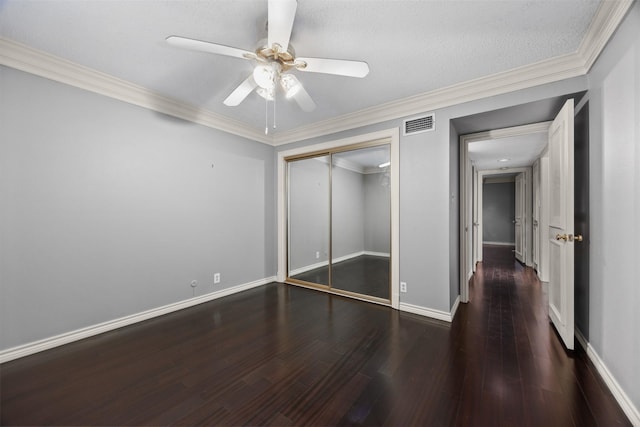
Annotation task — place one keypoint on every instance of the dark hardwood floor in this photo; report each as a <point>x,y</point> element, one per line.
<point>284,355</point>
<point>366,275</point>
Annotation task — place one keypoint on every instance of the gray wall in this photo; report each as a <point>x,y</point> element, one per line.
<point>614,162</point>
<point>498,212</point>
<point>377,208</point>
<point>108,209</point>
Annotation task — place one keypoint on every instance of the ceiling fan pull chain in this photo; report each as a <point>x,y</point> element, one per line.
<point>274,106</point>
<point>266,116</point>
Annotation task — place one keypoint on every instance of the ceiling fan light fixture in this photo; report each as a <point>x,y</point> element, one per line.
<point>265,75</point>
<point>266,93</point>
<point>290,85</point>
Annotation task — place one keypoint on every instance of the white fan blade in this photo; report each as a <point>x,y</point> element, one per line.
<point>281,14</point>
<point>300,95</point>
<point>241,92</point>
<point>334,66</point>
<point>202,46</point>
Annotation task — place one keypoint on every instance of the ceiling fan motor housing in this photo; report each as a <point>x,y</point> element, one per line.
<point>275,53</point>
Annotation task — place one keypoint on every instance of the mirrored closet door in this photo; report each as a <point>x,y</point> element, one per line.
<point>340,222</point>
<point>309,201</point>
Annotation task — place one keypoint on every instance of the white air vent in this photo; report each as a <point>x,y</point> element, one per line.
<point>419,124</point>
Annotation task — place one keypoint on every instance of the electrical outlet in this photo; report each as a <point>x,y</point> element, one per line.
<point>403,286</point>
<point>216,278</point>
<point>194,283</point>
<point>317,255</point>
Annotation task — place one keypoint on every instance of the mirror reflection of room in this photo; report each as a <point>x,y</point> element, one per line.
<point>356,236</point>
<point>361,221</point>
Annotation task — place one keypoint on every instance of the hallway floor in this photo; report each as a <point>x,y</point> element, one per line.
<point>518,371</point>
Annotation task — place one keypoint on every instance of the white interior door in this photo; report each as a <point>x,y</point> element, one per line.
<point>519,217</point>
<point>561,250</point>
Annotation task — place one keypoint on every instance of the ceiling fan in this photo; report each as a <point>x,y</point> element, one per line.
<point>274,58</point>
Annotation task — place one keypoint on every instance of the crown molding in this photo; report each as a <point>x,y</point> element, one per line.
<point>605,22</point>
<point>42,64</point>
<point>539,73</point>
<point>608,17</point>
<point>374,170</point>
<point>339,162</point>
<point>348,165</point>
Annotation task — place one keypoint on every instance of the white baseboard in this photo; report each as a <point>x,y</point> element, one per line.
<point>456,303</point>
<point>308,268</point>
<point>500,243</point>
<point>621,397</point>
<point>335,261</point>
<point>324,263</point>
<point>69,337</point>
<point>581,339</point>
<point>380,254</point>
<point>348,257</point>
<point>427,312</point>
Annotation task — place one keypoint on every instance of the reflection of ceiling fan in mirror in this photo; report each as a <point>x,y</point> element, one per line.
<point>274,58</point>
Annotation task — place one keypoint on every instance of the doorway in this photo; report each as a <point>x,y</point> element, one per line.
<point>558,234</point>
<point>501,152</point>
<point>503,217</point>
<point>500,219</point>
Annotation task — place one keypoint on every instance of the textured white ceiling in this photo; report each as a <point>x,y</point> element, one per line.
<point>521,151</point>
<point>366,159</point>
<point>411,46</point>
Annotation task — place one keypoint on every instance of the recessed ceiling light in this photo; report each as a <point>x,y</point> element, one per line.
<point>503,160</point>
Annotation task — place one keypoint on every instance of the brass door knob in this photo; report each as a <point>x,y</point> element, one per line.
<point>562,237</point>
<point>578,237</point>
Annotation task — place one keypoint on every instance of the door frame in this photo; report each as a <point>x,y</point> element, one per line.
<point>536,202</point>
<point>466,194</point>
<point>542,268</point>
<point>524,211</point>
<point>392,136</point>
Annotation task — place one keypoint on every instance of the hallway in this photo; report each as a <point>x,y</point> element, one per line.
<point>516,369</point>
